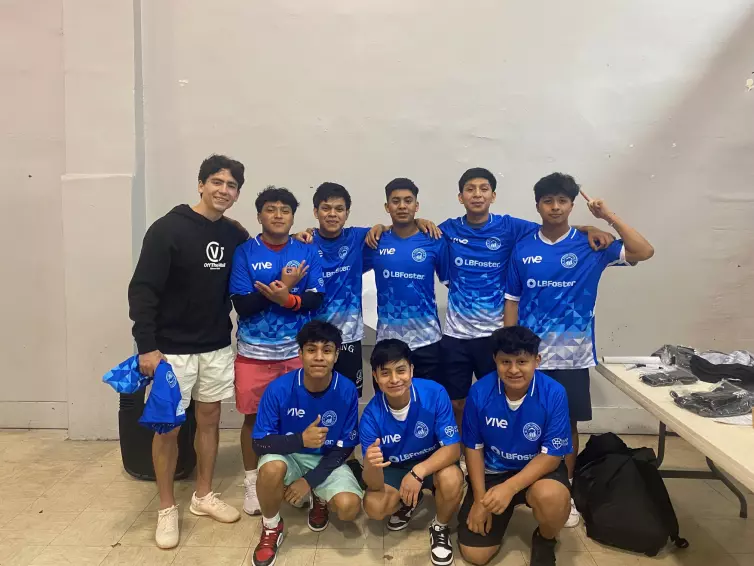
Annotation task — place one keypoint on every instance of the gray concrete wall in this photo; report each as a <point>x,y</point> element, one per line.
<point>643,102</point>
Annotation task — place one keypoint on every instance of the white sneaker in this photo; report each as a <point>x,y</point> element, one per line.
<point>250,500</point>
<point>574,517</point>
<point>167,534</point>
<point>212,506</point>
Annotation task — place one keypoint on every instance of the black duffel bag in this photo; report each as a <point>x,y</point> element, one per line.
<point>622,498</point>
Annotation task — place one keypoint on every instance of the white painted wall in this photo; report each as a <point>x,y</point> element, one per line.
<point>643,102</point>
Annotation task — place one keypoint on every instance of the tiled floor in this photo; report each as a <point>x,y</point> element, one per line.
<point>64,502</point>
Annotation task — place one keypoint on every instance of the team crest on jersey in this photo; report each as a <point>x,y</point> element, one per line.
<point>493,244</point>
<point>421,430</point>
<point>418,255</point>
<point>329,418</point>
<point>343,252</point>
<point>293,263</point>
<point>532,431</point>
<point>569,261</point>
<point>171,379</point>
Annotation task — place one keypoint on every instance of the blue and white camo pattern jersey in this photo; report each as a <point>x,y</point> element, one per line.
<point>271,333</point>
<point>404,273</point>
<point>478,262</point>
<point>342,266</point>
<point>556,286</point>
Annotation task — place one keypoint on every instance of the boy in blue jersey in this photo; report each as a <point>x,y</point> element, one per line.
<point>404,264</point>
<point>480,244</point>
<point>552,289</point>
<point>275,284</point>
<point>410,442</point>
<point>515,434</point>
<point>305,431</point>
<point>341,254</point>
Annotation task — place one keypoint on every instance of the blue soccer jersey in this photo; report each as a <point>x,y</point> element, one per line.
<point>556,286</point>
<point>287,407</point>
<point>429,425</point>
<point>404,271</point>
<point>478,261</point>
<point>342,267</point>
<point>512,438</point>
<point>271,333</point>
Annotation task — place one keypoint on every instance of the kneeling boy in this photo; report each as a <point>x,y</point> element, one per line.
<point>515,432</point>
<point>305,430</point>
<point>410,442</point>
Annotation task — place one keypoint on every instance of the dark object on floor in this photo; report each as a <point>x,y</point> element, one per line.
<point>136,440</point>
<point>622,498</point>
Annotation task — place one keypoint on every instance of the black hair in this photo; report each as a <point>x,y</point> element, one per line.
<point>477,173</point>
<point>319,331</point>
<point>276,194</point>
<point>389,351</point>
<point>215,163</point>
<point>329,190</point>
<point>514,340</point>
<point>556,184</point>
<point>398,184</point>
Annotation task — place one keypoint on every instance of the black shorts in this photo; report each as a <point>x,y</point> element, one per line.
<point>426,361</point>
<point>350,365</point>
<point>576,383</point>
<point>499,522</point>
<point>462,359</point>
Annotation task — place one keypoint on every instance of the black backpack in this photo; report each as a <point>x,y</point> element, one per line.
<point>620,494</point>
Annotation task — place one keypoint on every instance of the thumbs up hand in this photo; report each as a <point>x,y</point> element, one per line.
<point>314,436</point>
<point>373,456</point>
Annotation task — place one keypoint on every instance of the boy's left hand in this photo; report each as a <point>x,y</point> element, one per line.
<point>297,491</point>
<point>599,239</point>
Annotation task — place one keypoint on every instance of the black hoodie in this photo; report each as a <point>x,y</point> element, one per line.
<point>178,295</point>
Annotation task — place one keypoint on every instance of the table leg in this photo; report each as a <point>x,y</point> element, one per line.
<point>744,513</point>
<point>661,444</point>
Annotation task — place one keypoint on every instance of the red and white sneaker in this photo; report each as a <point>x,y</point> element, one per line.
<point>319,514</point>
<point>267,550</point>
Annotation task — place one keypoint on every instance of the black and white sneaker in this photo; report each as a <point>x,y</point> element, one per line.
<point>542,550</point>
<point>440,549</point>
<point>402,517</point>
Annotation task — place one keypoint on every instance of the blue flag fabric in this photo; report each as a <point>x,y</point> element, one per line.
<point>163,410</point>
<point>125,377</point>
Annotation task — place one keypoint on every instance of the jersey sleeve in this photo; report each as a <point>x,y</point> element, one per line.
<point>513,284</point>
<point>359,234</point>
<point>521,228</point>
<point>240,276</point>
<point>614,255</point>
<point>442,267</point>
<point>446,429</point>
<point>556,439</point>
<point>369,431</point>
<point>315,282</point>
<point>471,433</point>
<point>268,415</point>
<point>349,436</point>
<point>368,257</point>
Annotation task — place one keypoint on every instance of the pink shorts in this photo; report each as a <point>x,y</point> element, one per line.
<point>253,377</point>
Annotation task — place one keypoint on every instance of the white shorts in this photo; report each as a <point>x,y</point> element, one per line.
<point>207,377</point>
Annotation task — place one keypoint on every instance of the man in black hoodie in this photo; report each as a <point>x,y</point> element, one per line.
<point>180,306</point>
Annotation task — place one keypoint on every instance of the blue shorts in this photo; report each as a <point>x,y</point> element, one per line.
<point>394,476</point>
<point>576,383</point>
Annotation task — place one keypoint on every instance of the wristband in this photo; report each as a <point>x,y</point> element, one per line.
<point>417,478</point>
<point>291,302</point>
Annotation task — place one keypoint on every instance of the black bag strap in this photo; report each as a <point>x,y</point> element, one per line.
<point>659,494</point>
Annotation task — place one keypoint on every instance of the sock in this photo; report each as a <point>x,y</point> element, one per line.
<point>271,523</point>
<point>437,523</point>
<point>251,475</point>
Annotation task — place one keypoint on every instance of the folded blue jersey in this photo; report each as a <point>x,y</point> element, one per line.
<point>163,410</point>
<point>125,377</point>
